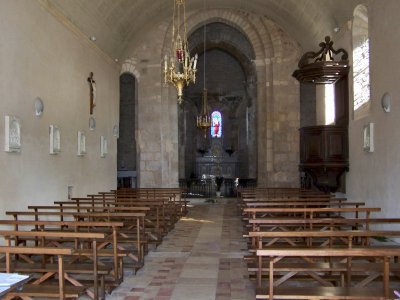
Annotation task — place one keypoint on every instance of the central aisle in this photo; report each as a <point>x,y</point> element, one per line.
<point>201,259</point>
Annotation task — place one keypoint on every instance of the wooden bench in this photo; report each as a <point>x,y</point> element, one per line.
<point>284,224</point>
<point>155,215</point>
<point>166,210</point>
<point>273,291</point>
<point>175,195</point>
<point>59,239</point>
<point>309,212</point>
<point>37,289</point>
<point>134,226</point>
<point>132,221</point>
<point>296,239</point>
<point>302,204</point>
<point>74,226</point>
<point>328,236</point>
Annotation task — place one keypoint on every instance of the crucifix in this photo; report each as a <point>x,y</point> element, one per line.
<point>92,85</point>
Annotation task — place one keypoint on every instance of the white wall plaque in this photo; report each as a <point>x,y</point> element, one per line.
<point>116,131</point>
<point>39,107</point>
<point>92,123</point>
<point>103,146</point>
<point>55,139</point>
<point>81,143</point>
<point>12,134</point>
<point>369,137</point>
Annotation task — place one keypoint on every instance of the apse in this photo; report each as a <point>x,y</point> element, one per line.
<point>228,148</point>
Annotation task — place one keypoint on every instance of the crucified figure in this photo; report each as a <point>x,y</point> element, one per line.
<point>92,85</point>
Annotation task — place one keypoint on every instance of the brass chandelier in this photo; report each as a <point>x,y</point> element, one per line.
<point>204,119</point>
<point>179,68</point>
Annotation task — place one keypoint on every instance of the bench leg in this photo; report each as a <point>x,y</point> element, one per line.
<point>61,277</point>
<point>103,289</point>
<point>95,277</point>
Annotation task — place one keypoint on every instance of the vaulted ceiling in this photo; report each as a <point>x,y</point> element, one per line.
<point>116,23</point>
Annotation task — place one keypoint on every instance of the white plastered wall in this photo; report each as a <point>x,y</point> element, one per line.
<point>41,57</point>
<point>375,177</point>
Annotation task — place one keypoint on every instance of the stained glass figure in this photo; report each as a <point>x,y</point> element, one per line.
<point>216,126</point>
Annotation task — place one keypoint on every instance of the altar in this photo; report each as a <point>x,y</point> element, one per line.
<point>217,162</point>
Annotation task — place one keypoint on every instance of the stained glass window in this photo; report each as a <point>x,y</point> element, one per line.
<point>216,125</point>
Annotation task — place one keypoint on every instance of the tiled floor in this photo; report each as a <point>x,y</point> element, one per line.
<point>201,259</point>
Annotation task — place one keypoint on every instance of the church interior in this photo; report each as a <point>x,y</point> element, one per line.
<point>230,110</point>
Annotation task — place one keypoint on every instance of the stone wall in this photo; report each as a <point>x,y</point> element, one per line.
<point>276,100</point>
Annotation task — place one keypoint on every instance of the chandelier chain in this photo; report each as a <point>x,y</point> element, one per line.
<point>203,119</point>
<point>205,40</point>
<point>179,68</point>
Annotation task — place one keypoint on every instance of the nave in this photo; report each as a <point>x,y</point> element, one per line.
<point>200,259</point>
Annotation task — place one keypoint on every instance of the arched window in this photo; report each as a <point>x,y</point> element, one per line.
<point>361,80</point>
<point>216,125</point>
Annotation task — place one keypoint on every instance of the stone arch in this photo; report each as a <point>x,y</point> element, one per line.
<point>127,149</point>
<point>235,19</point>
<point>129,66</point>
<point>231,18</point>
<point>275,52</point>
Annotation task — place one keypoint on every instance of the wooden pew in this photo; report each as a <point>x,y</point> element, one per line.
<point>162,212</point>
<point>264,224</point>
<point>132,221</point>
<point>174,194</point>
<point>332,203</point>
<point>35,290</point>
<point>68,226</point>
<point>346,236</point>
<point>273,291</point>
<point>155,213</point>
<point>295,239</point>
<point>309,212</point>
<point>151,223</point>
<point>58,239</point>
<point>281,192</point>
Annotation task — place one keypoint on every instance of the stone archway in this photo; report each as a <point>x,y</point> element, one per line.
<point>126,145</point>
<point>230,76</point>
<point>275,92</point>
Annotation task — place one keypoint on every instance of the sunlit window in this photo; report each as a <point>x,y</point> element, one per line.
<point>361,80</point>
<point>329,104</point>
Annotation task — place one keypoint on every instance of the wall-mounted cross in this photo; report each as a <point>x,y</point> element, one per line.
<point>92,85</point>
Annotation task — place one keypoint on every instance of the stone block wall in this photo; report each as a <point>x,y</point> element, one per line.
<point>276,101</point>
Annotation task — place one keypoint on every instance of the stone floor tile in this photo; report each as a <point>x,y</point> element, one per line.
<point>200,259</point>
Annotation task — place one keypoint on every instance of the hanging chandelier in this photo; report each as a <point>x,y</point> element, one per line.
<point>179,68</point>
<point>204,119</point>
